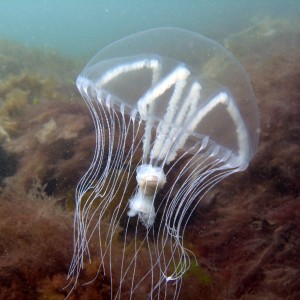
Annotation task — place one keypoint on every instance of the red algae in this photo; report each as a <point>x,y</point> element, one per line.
<point>28,228</point>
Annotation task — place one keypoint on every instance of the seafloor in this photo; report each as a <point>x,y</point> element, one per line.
<point>245,234</point>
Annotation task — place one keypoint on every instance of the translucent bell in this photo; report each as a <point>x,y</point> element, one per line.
<point>136,71</point>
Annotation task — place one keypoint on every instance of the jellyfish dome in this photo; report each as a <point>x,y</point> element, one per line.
<point>174,113</point>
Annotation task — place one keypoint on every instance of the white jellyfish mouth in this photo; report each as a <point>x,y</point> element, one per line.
<point>142,206</point>
<point>150,180</point>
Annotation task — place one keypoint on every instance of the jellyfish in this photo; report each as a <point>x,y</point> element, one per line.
<point>174,114</point>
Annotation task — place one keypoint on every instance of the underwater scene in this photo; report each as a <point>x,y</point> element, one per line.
<point>149,150</point>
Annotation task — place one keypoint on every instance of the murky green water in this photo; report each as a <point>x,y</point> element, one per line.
<point>83,27</point>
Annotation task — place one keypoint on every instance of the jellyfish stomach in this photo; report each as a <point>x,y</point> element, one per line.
<point>150,180</point>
